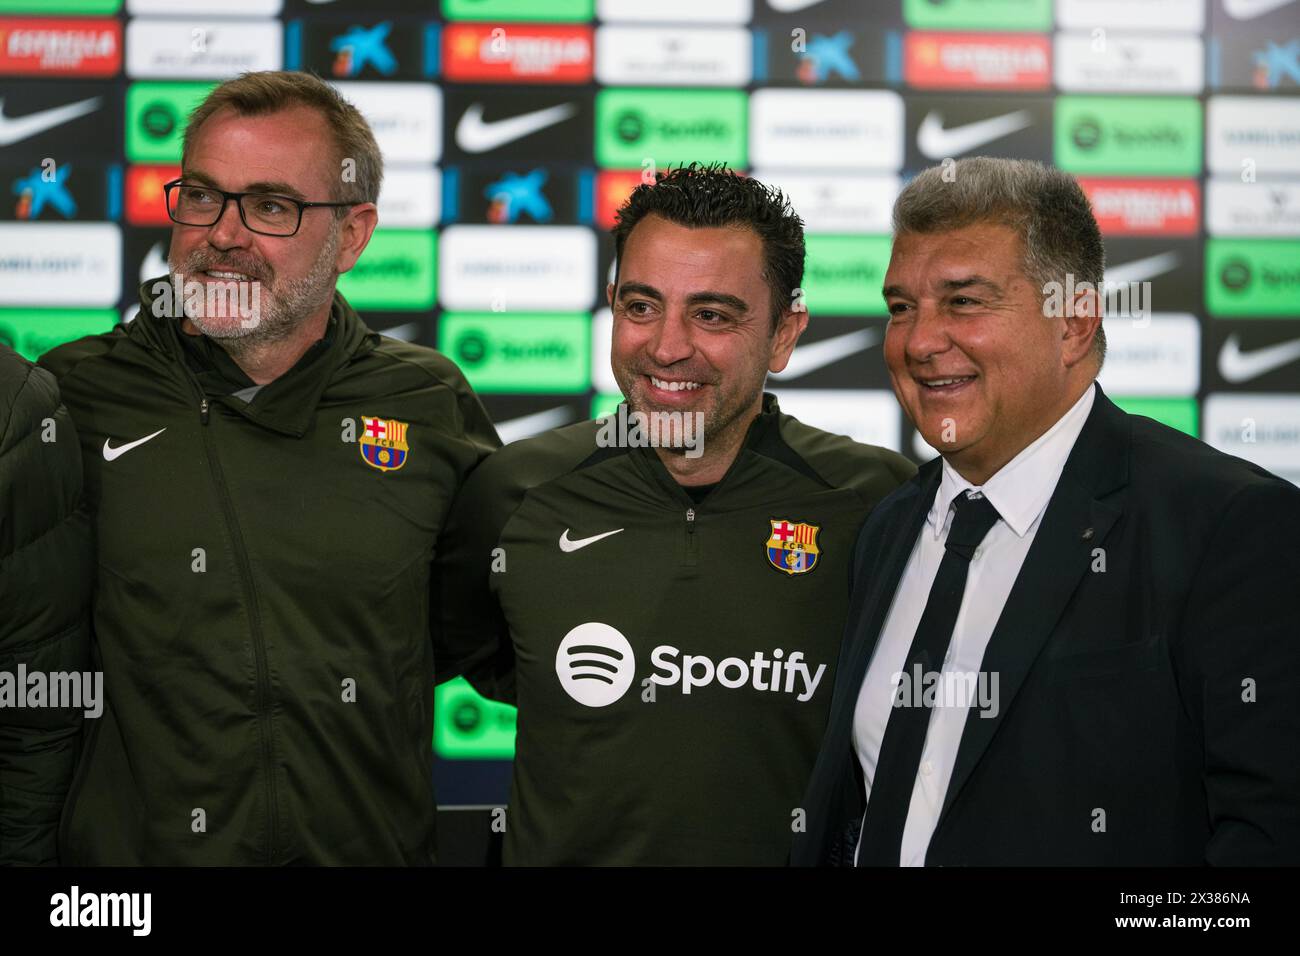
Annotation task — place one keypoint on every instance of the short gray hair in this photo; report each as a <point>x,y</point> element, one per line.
<point>256,94</point>
<point>1046,208</point>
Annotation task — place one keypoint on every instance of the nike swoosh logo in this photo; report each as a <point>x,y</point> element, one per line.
<point>1250,9</point>
<point>24,127</point>
<point>568,546</point>
<point>792,6</point>
<point>514,429</point>
<point>935,142</point>
<point>112,454</point>
<point>1140,270</point>
<point>475,136</point>
<point>816,355</point>
<point>1237,366</point>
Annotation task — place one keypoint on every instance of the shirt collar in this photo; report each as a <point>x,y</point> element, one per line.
<point>1022,487</point>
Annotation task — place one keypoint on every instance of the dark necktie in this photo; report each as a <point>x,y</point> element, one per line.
<point>900,751</point>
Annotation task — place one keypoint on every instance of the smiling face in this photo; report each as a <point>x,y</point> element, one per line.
<point>693,326</point>
<point>290,153</point>
<point>976,365</point>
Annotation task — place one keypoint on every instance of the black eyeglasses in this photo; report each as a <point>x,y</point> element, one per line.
<point>191,204</point>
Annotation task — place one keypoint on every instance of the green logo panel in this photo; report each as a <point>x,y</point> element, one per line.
<point>668,127</point>
<point>844,274</point>
<point>1143,136</point>
<point>60,6</point>
<point>978,14</point>
<point>395,272</point>
<point>520,352</point>
<point>569,11</point>
<point>156,114</point>
<point>1180,413</point>
<point>605,403</point>
<point>1255,277</point>
<point>468,726</point>
<point>33,332</point>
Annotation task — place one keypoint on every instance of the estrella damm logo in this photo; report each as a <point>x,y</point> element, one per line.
<point>792,547</point>
<point>383,443</point>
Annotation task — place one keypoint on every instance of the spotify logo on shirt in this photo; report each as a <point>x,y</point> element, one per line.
<point>595,664</point>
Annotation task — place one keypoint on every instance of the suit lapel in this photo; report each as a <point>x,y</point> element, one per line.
<point>1076,521</point>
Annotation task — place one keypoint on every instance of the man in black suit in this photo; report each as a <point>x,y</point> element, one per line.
<point>1071,638</point>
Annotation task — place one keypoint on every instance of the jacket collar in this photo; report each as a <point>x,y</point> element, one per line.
<point>1083,509</point>
<point>762,430</point>
<point>287,405</point>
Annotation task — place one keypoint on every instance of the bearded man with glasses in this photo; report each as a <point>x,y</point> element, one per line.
<point>268,480</point>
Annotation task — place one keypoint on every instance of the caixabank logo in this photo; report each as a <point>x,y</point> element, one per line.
<point>378,48</point>
<point>59,189</point>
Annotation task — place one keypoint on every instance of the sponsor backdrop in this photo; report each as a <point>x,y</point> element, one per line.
<point>512,129</point>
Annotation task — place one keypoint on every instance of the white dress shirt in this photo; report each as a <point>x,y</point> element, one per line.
<point>1019,491</point>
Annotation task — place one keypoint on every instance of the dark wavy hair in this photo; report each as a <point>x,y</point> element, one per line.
<point>711,195</point>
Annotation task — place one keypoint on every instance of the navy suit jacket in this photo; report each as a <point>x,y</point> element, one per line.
<point>1149,669</point>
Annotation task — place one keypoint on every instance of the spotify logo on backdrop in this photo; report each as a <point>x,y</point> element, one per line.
<point>595,664</point>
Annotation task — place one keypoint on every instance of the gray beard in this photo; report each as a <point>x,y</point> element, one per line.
<point>280,312</point>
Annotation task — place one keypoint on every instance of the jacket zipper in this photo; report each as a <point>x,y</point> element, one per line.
<point>255,620</point>
<point>692,542</point>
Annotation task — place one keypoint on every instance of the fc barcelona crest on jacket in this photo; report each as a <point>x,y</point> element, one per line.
<point>383,443</point>
<point>792,548</point>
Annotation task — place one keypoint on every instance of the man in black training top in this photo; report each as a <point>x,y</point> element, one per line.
<point>266,492</point>
<point>663,592</point>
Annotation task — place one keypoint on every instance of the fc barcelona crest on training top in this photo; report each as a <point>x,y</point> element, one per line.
<point>792,548</point>
<point>383,443</point>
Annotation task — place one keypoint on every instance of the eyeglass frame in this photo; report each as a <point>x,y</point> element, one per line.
<point>226,197</point>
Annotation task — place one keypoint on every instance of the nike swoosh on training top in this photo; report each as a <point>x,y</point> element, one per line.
<point>568,546</point>
<point>1250,9</point>
<point>475,136</point>
<point>112,454</point>
<point>1140,270</point>
<point>1237,366</point>
<point>935,142</point>
<point>816,355</point>
<point>24,127</point>
<point>514,429</point>
<point>792,6</point>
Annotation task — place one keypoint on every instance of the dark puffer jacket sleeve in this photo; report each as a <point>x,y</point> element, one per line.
<point>46,575</point>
